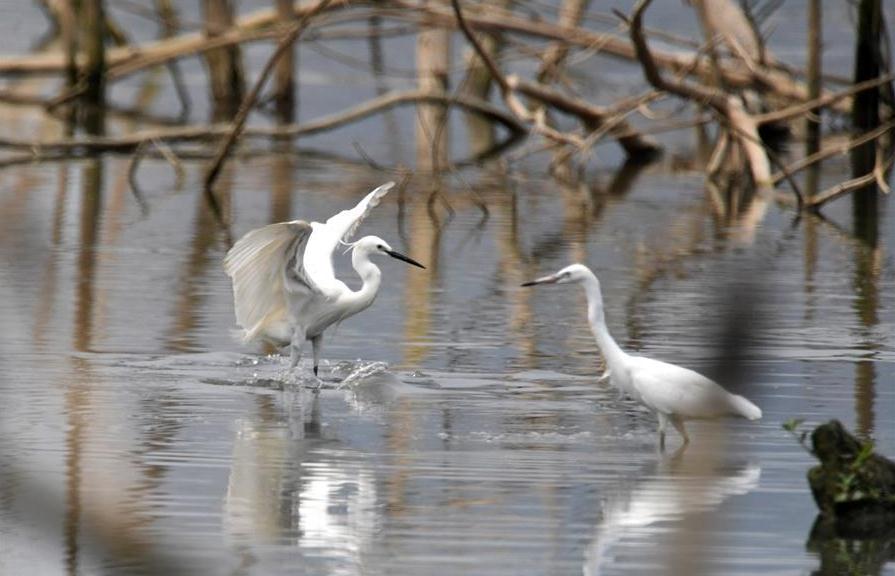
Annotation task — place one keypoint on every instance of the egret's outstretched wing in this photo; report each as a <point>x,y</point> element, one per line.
<point>326,237</point>
<point>345,223</point>
<point>262,267</point>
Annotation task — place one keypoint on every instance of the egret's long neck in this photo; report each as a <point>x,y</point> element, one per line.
<point>597,318</point>
<point>371,276</point>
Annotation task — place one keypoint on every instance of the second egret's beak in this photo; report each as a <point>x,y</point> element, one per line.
<point>552,279</point>
<point>408,259</point>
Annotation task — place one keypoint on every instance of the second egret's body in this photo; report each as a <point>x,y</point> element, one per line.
<point>674,393</point>
<point>284,287</point>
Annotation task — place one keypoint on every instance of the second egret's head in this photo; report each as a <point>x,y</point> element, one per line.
<point>370,245</point>
<point>570,274</point>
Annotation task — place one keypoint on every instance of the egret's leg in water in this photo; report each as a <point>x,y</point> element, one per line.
<point>678,424</point>
<point>298,340</point>
<point>663,423</point>
<point>317,342</point>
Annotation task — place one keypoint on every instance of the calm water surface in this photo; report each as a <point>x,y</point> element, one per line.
<point>460,430</point>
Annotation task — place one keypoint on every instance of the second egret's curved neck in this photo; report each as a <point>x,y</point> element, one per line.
<point>371,276</point>
<point>611,351</point>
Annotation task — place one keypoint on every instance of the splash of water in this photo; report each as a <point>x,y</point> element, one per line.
<point>361,371</point>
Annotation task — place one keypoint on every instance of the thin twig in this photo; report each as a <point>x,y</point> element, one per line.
<point>823,101</point>
<point>133,166</point>
<point>728,107</point>
<point>594,117</point>
<point>172,159</point>
<point>880,168</point>
<point>825,153</point>
<point>481,52</point>
<point>180,89</point>
<point>840,189</point>
<point>248,102</point>
<point>536,122</point>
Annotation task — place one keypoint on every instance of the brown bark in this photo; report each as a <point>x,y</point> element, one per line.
<point>224,65</point>
<point>284,94</point>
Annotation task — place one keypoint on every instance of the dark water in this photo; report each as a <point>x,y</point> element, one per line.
<point>460,429</point>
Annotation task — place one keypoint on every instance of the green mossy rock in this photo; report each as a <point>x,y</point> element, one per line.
<point>853,486</point>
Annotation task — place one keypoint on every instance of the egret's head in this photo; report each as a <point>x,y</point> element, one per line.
<point>371,245</point>
<point>572,273</point>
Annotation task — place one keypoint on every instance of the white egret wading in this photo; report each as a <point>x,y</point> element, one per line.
<point>674,393</point>
<point>284,287</point>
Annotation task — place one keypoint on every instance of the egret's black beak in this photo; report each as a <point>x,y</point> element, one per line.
<point>545,280</point>
<point>408,259</point>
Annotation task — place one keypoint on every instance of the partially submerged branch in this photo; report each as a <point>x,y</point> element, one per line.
<point>831,151</point>
<point>774,82</point>
<point>506,90</point>
<point>593,117</point>
<point>727,106</point>
<point>875,176</point>
<point>528,104</point>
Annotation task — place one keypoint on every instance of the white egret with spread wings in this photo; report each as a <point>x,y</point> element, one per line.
<point>674,393</point>
<point>284,287</point>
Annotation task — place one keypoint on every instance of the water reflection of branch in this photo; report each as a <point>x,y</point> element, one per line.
<point>93,531</point>
<point>425,230</point>
<point>109,537</point>
<point>866,285</point>
<point>845,236</point>
<point>596,198</point>
<point>47,293</point>
<point>91,206</point>
<point>257,476</point>
<point>665,256</point>
<point>168,154</point>
<point>514,268</point>
<point>193,272</point>
<point>867,270</point>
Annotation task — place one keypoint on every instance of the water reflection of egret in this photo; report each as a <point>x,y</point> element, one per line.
<point>661,499</point>
<point>674,393</point>
<point>284,286</point>
<point>252,510</point>
<point>286,488</point>
<point>337,507</point>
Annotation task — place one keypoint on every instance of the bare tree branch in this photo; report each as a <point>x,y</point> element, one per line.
<point>248,103</point>
<point>834,150</point>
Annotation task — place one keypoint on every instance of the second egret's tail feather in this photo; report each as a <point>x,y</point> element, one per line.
<point>743,407</point>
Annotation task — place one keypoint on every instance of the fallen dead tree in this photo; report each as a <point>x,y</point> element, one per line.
<point>742,126</point>
<point>714,77</point>
<point>735,74</point>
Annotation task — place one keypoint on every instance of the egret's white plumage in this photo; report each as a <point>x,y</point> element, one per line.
<point>284,287</point>
<point>674,393</point>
